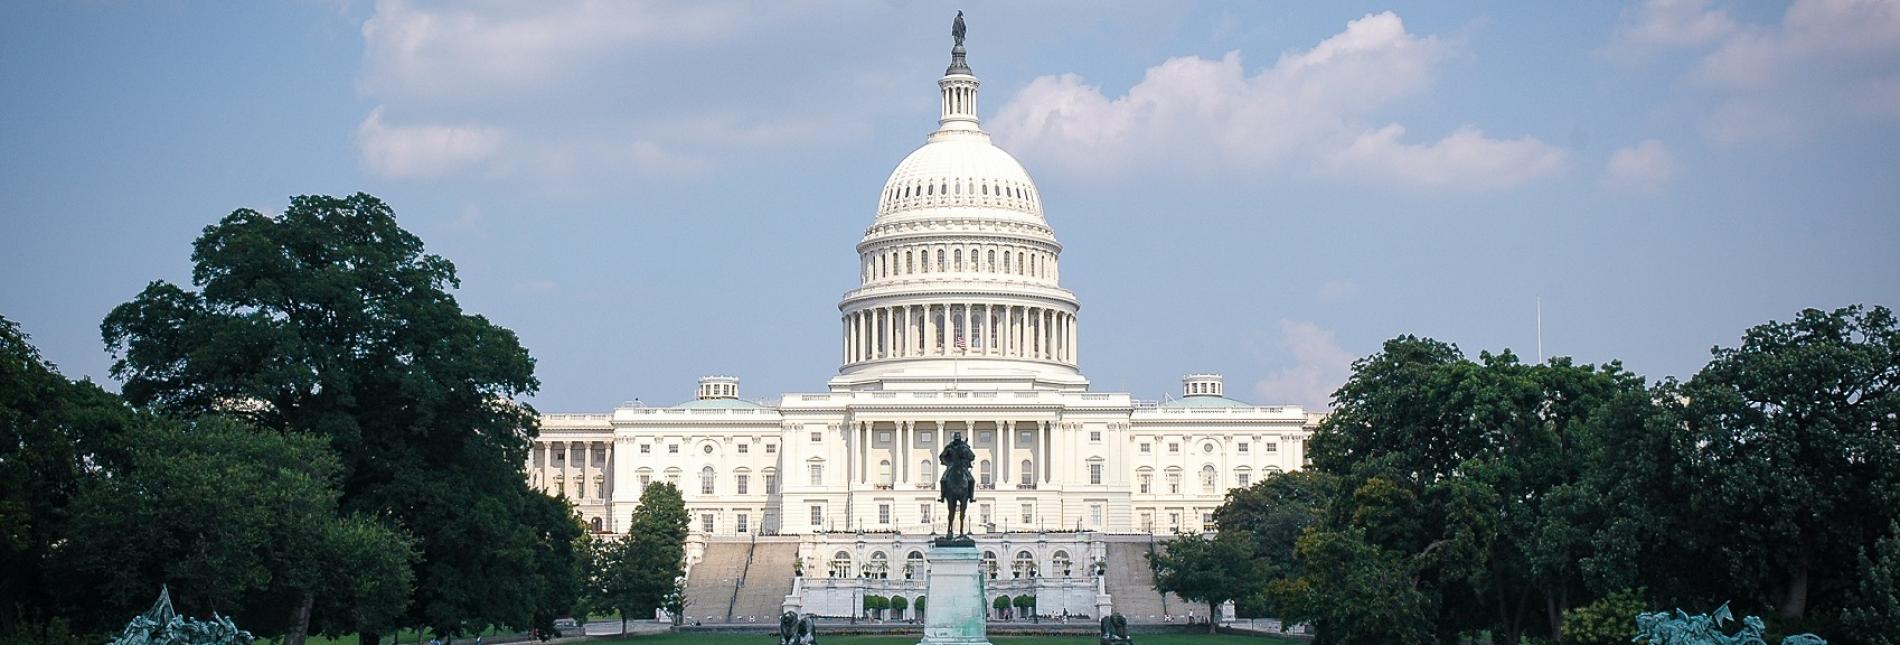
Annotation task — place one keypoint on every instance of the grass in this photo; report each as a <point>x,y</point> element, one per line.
<point>911,639</point>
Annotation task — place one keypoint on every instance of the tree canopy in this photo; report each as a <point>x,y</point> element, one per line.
<point>1211,571</point>
<point>331,320</point>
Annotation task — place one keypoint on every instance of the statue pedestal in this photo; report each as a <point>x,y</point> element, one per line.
<point>956,613</point>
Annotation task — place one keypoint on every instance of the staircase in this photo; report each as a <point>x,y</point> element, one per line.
<point>710,584</point>
<point>761,593</point>
<point>1131,585</point>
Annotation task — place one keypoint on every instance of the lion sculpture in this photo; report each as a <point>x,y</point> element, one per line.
<point>1115,630</point>
<point>796,629</point>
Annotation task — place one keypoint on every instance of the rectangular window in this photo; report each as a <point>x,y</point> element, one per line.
<point>1147,482</point>
<point>1095,515</point>
<point>925,511</point>
<point>817,515</point>
<point>646,448</point>
<point>817,437</point>
<point>983,513</point>
<point>1029,514</point>
<point>1174,521</point>
<point>1242,479</point>
<point>884,438</point>
<point>817,472</point>
<point>884,513</point>
<point>1144,449</point>
<point>924,438</point>
<point>1243,447</point>
<point>644,480</point>
<point>1095,474</point>
<point>1025,438</point>
<point>1095,436</point>
<point>771,484</point>
<point>771,448</point>
<point>739,523</point>
<point>743,449</point>
<point>1148,522</point>
<point>673,448</point>
<point>706,522</point>
<point>740,483</point>
<point>1269,447</point>
<point>706,485</point>
<point>1174,449</point>
<point>1207,521</point>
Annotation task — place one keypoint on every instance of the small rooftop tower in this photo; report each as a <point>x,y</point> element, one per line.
<point>1201,385</point>
<point>718,387</point>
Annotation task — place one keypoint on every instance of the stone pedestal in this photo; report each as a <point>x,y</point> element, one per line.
<point>956,613</point>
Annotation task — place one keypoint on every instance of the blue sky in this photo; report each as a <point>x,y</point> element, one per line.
<point>651,192</point>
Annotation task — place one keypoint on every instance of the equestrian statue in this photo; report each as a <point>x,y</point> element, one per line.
<point>956,489</point>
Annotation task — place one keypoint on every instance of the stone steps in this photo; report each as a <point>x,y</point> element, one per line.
<point>1131,586</point>
<point>762,594</point>
<point>710,584</point>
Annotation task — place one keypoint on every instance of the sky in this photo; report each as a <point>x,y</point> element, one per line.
<point>651,192</point>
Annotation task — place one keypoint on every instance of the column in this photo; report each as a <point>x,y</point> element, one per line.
<point>903,452</point>
<point>1047,443</point>
<point>930,330</point>
<point>1074,356</point>
<point>864,452</point>
<point>1002,331</point>
<point>1006,443</point>
<point>968,337</point>
<point>587,459</point>
<point>1048,334</point>
<point>890,332</point>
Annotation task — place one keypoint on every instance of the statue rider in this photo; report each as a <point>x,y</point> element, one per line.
<point>957,487</point>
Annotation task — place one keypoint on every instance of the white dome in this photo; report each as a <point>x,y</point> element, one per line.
<point>960,171</point>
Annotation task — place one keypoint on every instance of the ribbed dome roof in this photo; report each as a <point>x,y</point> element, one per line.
<point>962,171</point>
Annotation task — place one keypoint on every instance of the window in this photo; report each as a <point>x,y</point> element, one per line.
<point>924,511</point>
<point>1095,515</point>
<point>817,437</point>
<point>1208,447</point>
<point>1148,522</point>
<point>1174,481</point>
<point>673,477</point>
<point>705,522</point>
<point>1174,521</point>
<point>646,448</point>
<point>983,438</point>
<point>817,472</point>
<point>1242,447</point>
<point>1145,482</point>
<point>1024,566</point>
<point>1242,478</point>
<point>884,475</point>
<point>884,513</point>
<point>739,483</point>
<point>841,565</point>
<point>1207,521</point>
<point>1174,449</point>
<point>884,437</point>
<point>817,515</point>
<point>924,438</point>
<point>1269,447</point>
<point>1028,474</point>
<point>672,449</point>
<point>1095,436</point>
<point>739,523</point>
<point>771,483</point>
<point>706,449</point>
<point>1029,513</point>
<point>1095,473</point>
<point>1025,438</point>
<point>1209,478</point>
<point>926,472</point>
<point>983,514</point>
<point>745,448</point>
<point>983,472</point>
<point>645,478</point>
<point>771,448</point>
<point>1144,449</point>
<point>706,480</point>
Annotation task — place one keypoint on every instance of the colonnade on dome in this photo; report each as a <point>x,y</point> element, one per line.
<point>959,330</point>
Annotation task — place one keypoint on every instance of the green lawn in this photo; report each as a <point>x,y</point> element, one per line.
<point>911,639</point>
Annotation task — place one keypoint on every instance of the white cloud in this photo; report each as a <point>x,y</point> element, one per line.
<point>1825,62</point>
<point>1464,159</point>
<point>1642,168</point>
<point>1212,115</point>
<point>1338,290</point>
<point>1319,368</point>
<point>409,151</point>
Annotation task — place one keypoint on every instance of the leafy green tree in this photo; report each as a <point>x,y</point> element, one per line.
<point>236,521</point>
<point>1611,620</point>
<point>1799,450</point>
<point>1354,592</point>
<point>1001,604</point>
<point>898,605</point>
<point>1876,607</point>
<point>331,320</point>
<point>1275,511</point>
<point>54,435</point>
<point>920,606</point>
<point>646,566</point>
<point>1208,570</point>
<point>1026,604</point>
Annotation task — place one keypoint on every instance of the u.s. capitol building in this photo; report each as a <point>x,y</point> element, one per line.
<point>959,324</point>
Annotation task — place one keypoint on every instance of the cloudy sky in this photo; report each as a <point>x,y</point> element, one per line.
<point>649,192</point>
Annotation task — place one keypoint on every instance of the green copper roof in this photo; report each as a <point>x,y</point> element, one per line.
<point>1205,401</point>
<point>719,404</point>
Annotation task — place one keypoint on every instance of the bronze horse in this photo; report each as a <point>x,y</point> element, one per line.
<point>956,488</point>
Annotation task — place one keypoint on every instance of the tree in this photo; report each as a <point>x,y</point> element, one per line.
<point>920,606</point>
<point>331,320</point>
<point>1275,510</point>
<point>54,434</point>
<point>650,561</point>
<point>898,605</point>
<point>874,605</point>
<point>1876,607</point>
<point>1799,448</point>
<point>1026,603</point>
<point>1211,571</point>
<point>235,521</point>
<point>1354,592</point>
<point>1002,606</point>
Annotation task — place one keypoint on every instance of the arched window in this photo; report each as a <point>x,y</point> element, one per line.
<point>1144,480</point>
<point>841,565</point>
<point>645,476</point>
<point>939,260</point>
<point>1024,566</point>
<point>908,266</point>
<point>878,567</point>
<point>673,477</point>
<point>596,524</point>
<point>983,472</point>
<point>884,472</point>
<point>990,263</point>
<point>956,260</point>
<point>1061,563</point>
<point>989,563</point>
<point>1209,477</point>
<point>1243,477</point>
<point>1006,266</point>
<point>1027,475</point>
<point>927,472</point>
<point>706,480</point>
<point>1174,480</point>
<point>913,565</point>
